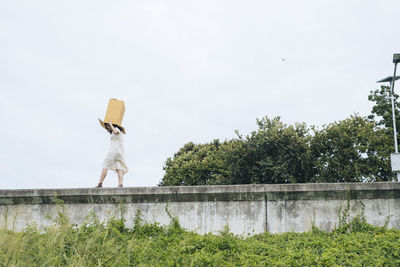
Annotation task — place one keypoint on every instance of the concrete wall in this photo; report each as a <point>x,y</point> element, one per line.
<point>246,209</point>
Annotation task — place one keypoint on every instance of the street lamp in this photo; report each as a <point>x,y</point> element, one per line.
<point>394,157</point>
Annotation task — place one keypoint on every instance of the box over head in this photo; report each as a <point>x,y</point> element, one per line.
<point>115,113</point>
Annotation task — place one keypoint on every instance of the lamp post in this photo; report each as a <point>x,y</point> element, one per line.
<point>394,157</point>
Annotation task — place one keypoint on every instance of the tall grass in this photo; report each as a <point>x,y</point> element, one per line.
<point>113,244</point>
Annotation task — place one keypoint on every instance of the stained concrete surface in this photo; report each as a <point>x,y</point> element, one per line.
<point>245,209</point>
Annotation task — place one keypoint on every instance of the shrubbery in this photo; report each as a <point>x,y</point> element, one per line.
<point>113,244</point>
<point>352,150</point>
<point>356,149</point>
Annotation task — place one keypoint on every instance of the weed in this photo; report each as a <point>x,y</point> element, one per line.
<point>95,243</point>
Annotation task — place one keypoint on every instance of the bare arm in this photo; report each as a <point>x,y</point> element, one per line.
<point>115,131</point>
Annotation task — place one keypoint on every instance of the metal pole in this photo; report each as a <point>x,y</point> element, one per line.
<point>394,117</point>
<point>393,111</point>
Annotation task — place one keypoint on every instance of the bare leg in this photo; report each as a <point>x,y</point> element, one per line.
<point>102,177</point>
<point>120,178</point>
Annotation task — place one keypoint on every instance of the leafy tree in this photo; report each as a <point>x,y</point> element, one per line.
<point>199,164</point>
<point>275,153</point>
<point>381,112</point>
<point>351,150</point>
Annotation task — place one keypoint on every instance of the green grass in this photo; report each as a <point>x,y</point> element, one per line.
<point>112,244</point>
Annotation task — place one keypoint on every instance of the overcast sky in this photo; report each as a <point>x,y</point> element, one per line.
<point>187,71</point>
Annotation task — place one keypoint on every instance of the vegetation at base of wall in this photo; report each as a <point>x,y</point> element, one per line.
<point>113,244</point>
<point>356,149</point>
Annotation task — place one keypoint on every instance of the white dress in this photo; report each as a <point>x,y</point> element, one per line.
<point>115,159</point>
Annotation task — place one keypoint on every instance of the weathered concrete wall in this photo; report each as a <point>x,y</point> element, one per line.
<point>245,209</point>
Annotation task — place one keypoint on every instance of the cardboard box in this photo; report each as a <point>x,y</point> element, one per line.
<point>115,113</point>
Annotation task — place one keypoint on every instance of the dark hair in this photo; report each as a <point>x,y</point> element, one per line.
<point>108,128</point>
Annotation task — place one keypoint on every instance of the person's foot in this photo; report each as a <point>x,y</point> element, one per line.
<point>120,185</point>
<point>100,185</point>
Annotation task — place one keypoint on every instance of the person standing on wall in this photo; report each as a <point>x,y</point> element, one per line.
<point>115,159</point>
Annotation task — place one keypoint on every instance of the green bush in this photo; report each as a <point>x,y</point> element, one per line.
<point>113,244</point>
<point>351,150</point>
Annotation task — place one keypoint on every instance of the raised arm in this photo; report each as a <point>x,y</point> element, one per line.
<point>115,131</point>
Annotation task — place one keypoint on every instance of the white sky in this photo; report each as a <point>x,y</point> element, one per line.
<point>187,71</point>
